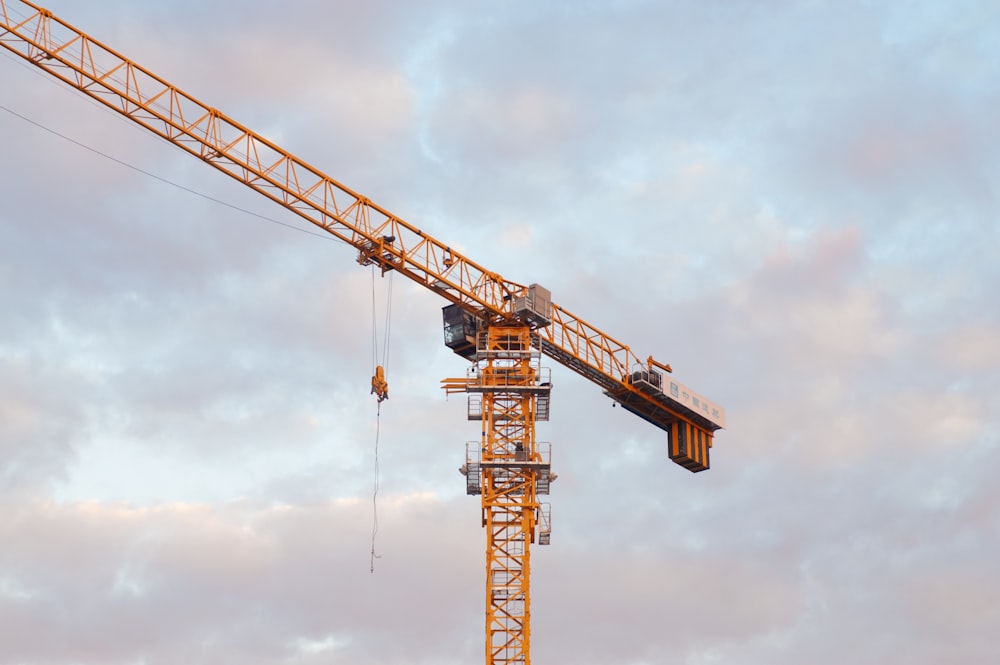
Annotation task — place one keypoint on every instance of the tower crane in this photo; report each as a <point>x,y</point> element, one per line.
<point>503,328</point>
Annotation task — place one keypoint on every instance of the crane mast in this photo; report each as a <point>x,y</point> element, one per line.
<point>509,393</point>
<point>502,327</point>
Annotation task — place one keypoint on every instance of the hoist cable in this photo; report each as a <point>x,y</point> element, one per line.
<point>378,418</point>
<point>378,409</point>
<point>388,325</point>
<point>374,324</point>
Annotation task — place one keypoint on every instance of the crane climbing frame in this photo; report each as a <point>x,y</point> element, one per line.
<point>502,327</point>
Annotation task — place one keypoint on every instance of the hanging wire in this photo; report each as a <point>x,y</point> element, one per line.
<point>388,310</point>
<point>388,324</point>
<point>378,412</point>
<point>374,324</point>
<point>189,190</point>
<point>378,418</point>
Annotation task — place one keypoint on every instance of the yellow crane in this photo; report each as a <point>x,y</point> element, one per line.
<point>502,327</point>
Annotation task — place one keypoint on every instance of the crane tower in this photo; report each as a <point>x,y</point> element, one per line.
<point>502,327</point>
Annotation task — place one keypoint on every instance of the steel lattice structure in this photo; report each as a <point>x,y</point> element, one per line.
<point>502,326</point>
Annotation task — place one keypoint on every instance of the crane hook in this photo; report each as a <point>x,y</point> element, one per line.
<point>380,387</point>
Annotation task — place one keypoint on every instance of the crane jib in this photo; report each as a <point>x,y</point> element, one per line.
<point>381,237</point>
<point>502,327</point>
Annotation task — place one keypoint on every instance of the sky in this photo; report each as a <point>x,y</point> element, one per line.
<point>792,202</point>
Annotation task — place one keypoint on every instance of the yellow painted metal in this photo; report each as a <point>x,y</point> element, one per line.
<point>652,362</point>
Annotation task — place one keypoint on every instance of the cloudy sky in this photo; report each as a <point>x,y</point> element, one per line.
<point>792,202</point>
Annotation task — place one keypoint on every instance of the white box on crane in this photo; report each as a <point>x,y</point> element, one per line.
<point>535,307</point>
